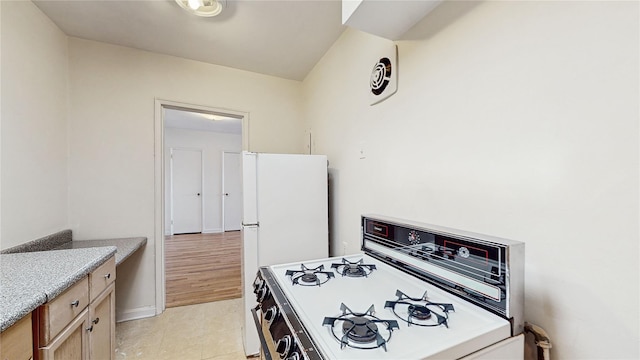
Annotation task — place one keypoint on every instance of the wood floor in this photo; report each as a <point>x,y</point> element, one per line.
<point>202,268</point>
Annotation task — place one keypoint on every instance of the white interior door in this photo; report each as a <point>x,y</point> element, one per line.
<point>186,191</point>
<point>232,191</point>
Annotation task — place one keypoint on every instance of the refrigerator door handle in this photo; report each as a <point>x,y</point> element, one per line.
<point>256,224</point>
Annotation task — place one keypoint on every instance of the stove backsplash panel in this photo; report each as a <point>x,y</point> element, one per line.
<point>485,270</point>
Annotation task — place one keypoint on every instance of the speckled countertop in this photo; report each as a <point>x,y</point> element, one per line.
<point>28,280</point>
<point>39,273</point>
<point>125,246</point>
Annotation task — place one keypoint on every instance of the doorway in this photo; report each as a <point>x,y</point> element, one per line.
<point>184,130</point>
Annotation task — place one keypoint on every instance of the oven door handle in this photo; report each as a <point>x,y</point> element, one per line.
<point>263,342</point>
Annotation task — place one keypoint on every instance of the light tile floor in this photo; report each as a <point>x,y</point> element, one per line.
<point>193,332</point>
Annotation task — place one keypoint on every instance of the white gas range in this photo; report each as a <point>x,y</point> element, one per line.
<point>416,291</point>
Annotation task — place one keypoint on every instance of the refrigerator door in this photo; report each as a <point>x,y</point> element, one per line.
<point>249,271</point>
<point>249,188</point>
<point>292,208</point>
<point>249,236</point>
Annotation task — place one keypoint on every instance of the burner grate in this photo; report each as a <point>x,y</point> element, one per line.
<point>309,277</point>
<point>361,330</point>
<point>420,311</point>
<point>353,269</point>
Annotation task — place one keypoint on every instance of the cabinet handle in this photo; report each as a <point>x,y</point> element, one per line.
<point>108,276</point>
<point>90,328</point>
<point>75,303</point>
<point>96,320</point>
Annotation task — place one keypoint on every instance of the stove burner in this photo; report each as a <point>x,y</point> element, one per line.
<point>309,277</point>
<point>419,311</point>
<point>360,329</point>
<point>353,269</point>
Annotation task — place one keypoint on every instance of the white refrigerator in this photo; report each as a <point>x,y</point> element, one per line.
<point>285,219</point>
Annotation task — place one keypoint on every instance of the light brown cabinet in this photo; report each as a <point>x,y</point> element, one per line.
<point>16,341</point>
<point>103,325</point>
<point>71,343</point>
<point>57,314</point>
<point>79,324</point>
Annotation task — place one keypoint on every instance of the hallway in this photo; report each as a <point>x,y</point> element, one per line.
<point>201,268</point>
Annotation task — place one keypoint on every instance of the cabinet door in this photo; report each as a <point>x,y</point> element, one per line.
<point>102,324</point>
<point>15,342</point>
<point>71,343</point>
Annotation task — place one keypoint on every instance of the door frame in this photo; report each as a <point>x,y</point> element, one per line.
<point>202,215</point>
<point>224,198</point>
<point>159,182</point>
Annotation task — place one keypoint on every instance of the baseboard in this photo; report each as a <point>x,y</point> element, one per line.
<point>135,314</point>
<point>205,231</point>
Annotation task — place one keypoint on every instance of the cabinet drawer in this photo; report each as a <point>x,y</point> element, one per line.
<point>15,342</point>
<point>58,313</point>
<point>102,277</point>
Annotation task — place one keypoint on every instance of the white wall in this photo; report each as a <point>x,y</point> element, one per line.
<point>111,137</point>
<point>514,119</point>
<point>34,127</point>
<point>212,144</point>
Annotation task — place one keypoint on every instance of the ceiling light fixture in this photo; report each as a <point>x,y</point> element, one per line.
<point>205,8</point>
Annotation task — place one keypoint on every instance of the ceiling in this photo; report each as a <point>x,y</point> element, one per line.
<point>280,38</point>
<point>183,119</point>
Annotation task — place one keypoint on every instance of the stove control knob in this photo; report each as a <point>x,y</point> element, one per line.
<point>257,285</point>
<point>283,346</point>
<point>294,356</point>
<point>271,314</point>
<point>262,294</point>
